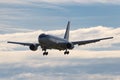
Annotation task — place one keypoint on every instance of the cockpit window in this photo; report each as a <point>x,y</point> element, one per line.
<point>42,35</point>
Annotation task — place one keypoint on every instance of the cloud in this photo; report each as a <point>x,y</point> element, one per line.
<point>9,29</point>
<point>75,35</point>
<point>81,1</point>
<point>22,56</point>
<point>61,77</point>
<point>84,62</point>
<point>12,2</point>
<point>81,64</point>
<point>102,49</point>
<point>62,1</point>
<point>60,68</point>
<point>9,15</point>
<point>84,52</point>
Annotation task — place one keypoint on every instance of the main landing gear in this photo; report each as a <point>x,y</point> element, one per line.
<point>66,52</point>
<point>45,53</point>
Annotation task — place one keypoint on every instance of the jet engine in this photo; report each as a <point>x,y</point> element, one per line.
<point>33,47</point>
<point>69,46</point>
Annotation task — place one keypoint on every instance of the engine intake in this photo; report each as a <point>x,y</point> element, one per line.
<point>33,47</point>
<point>69,46</point>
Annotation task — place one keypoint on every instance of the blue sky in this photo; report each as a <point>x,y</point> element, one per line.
<point>25,20</point>
<point>48,15</point>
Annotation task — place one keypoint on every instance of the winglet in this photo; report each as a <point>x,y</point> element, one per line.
<point>66,36</point>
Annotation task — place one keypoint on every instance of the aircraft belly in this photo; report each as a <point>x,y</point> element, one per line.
<point>54,45</point>
<point>48,44</point>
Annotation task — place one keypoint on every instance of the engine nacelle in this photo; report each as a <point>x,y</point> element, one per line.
<point>69,46</point>
<point>33,47</point>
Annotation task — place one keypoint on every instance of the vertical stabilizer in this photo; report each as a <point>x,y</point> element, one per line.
<point>66,36</point>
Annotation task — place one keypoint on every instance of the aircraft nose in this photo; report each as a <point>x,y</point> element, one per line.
<point>42,35</point>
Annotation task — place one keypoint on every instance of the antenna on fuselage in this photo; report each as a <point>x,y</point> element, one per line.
<point>66,36</point>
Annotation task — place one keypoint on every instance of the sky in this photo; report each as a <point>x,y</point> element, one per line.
<point>25,20</point>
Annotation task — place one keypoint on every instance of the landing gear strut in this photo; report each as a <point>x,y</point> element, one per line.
<point>66,52</point>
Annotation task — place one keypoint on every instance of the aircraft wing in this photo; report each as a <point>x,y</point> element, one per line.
<point>25,44</point>
<point>90,41</point>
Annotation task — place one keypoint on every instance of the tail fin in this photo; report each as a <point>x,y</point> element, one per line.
<point>66,36</point>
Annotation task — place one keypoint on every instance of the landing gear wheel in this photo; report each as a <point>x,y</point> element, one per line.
<point>45,53</point>
<point>66,52</point>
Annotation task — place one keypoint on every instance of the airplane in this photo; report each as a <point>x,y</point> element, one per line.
<point>46,41</point>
